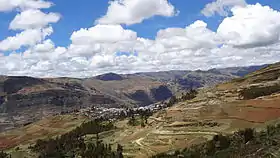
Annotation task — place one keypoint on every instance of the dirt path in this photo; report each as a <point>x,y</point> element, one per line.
<point>195,108</point>
<point>156,119</point>
<point>139,142</point>
<point>147,150</point>
<point>184,133</point>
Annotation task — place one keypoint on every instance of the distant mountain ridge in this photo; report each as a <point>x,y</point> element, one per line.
<point>184,80</point>
<point>191,119</point>
<point>110,77</point>
<point>30,98</point>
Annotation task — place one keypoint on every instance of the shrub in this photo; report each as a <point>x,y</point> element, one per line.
<point>72,143</point>
<point>255,92</point>
<point>4,155</point>
<point>235,145</point>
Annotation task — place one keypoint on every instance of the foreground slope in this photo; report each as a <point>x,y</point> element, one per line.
<point>243,143</point>
<point>43,129</point>
<point>218,110</point>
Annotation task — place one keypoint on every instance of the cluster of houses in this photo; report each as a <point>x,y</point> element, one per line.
<point>116,113</point>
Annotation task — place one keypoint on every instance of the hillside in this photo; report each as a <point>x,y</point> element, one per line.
<point>131,90</point>
<point>25,99</point>
<point>221,109</point>
<point>248,102</point>
<point>243,143</point>
<point>217,110</point>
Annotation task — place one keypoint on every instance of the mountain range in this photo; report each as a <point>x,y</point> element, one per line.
<point>251,101</point>
<point>26,99</point>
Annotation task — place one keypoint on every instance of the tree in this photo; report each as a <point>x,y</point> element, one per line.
<point>72,143</point>
<point>210,148</point>
<point>224,142</point>
<point>132,121</point>
<point>119,151</point>
<point>4,155</point>
<point>146,119</point>
<point>172,101</point>
<point>248,134</point>
<point>270,130</point>
<point>142,122</point>
<point>189,95</point>
<point>122,115</point>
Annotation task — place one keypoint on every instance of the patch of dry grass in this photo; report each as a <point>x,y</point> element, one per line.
<point>48,127</point>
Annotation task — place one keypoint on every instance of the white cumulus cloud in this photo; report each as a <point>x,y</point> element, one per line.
<point>33,19</point>
<point>102,33</point>
<point>46,46</point>
<point>195,36</point>
<point>102,38</point>
<point>8,5</point>
<point>221,7</point>
<point>135,11</point>
<point>251,26</point>
<point>250,36</point>
<point>28,37</point>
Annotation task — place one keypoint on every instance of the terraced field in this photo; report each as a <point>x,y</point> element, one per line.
<point>220,109</point>
<point>215,110</point>
<point>210,113</point>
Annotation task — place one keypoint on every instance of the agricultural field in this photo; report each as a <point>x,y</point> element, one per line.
<point>216,110</point>
<point>17,141</point>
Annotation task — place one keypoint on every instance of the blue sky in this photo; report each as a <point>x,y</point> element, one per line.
<point>77,14</point>
<point>91,37</point>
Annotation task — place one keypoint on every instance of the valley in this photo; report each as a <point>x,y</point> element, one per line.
<point>25,99</point>
<point>219,109</point>
<point>140,79</point>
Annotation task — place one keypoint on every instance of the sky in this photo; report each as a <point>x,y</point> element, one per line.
<point>52,38</point>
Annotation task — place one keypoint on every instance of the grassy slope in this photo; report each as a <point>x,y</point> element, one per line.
<point>215,110</point>
<point>46,128</point>
<point>244,143</point>
<point>191,122</point>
